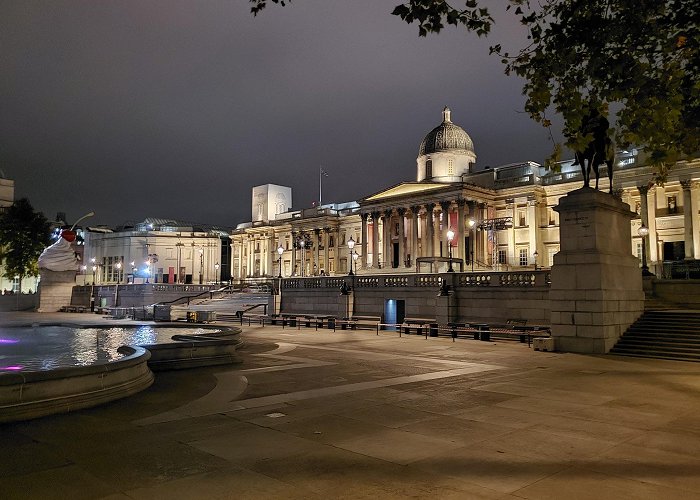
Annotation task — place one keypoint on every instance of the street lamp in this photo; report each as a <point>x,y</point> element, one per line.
<point>535,255</point>
<point>118,265</point>
<point>280,251</point>
<point>302,244</point>
<point>472,223</point>
<point>148,269</point>
<point>643,232</point>
<point>201,265</point>
<point>355,256</point>
<point>450,237</point>
<point>94,269</point>
<point>216,266</point>
<point>351,246</point>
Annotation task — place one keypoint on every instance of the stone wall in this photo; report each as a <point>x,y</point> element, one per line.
<point>473,297</point>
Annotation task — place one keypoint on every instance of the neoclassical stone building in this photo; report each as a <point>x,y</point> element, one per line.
<point>455,215</point>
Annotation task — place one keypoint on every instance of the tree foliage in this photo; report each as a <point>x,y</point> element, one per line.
<point>24,234</point>
<point>640,58</point>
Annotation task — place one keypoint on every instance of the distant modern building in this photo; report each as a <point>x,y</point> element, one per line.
<point>455,214</point>
<point>156,251</point>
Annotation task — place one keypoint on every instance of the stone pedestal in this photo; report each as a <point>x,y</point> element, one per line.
<point>596,291</point>
<point>55,289</point>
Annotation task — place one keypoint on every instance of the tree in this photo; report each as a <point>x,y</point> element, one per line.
<point>640,58</point>
<point>24,234</point>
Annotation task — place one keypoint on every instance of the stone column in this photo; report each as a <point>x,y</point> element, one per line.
<point>364,248</point>
<point>402,237</point>
<point>414,236</point>
<point>375,239</point>
<point>386,236</point>
<point>445,207</point>
<point>326,250</point>
<point>688,219</point>
<point>460,231</point>
<point>429,231</point>
<point>317,252</point>
<point>533,226</point>
<point>596,291</point>
<point>644,209</point>
<point>241,252</point>
<point>295,270</point>
<point>271,252</point>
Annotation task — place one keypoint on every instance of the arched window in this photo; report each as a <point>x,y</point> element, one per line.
<point>429,169</point>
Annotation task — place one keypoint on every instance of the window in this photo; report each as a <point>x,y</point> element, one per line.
<point>672,207</point>
<point>523,256</point>
<point>522,218</point>
<point>428,169</point>
<point>639,251</point>
<point>331,241</point>
<point>450,167</point>
<point>502,257</point>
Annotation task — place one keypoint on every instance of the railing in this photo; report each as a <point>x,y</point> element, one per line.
<point>512,279</point>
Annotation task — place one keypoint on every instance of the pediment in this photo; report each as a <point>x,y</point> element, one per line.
<point>406,188</point>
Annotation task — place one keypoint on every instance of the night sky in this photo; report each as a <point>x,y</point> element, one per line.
<point>177,109</point>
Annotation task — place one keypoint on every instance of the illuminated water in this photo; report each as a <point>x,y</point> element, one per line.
<point>49,347</point>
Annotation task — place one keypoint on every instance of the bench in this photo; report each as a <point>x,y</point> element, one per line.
<point>308,320</point>
<point>419,324</point>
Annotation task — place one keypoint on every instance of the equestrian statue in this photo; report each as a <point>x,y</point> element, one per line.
<point>599,150</point>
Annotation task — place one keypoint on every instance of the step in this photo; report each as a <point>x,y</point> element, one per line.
<point>655,356</point>
<point>660,348</point>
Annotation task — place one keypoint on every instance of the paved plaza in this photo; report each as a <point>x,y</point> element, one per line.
<point>348,414</point>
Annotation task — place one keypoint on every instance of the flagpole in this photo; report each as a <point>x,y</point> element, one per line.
<point>320,183</point>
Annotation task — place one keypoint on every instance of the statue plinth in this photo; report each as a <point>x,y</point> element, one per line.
<point>596,291</point>
<point>55,289</point>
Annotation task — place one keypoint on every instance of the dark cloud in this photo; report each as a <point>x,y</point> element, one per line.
<point>178,108</point>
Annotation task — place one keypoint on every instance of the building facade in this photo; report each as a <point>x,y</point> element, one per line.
<point>457,216</point>
<point>156,251</point>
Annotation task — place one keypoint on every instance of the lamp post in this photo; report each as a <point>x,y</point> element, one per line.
<point>216,267</point>
<point>535,255</point>
<point>355,256</point>
<point>83,268</point>
<point>450,237</point>
<point>148,269</point>
<point>133,272</point>
<point>351,246</point>
<point>302,244</point>
<point>94,269</point>
<point>643,232</point>
<point>118,265</point>
<point>472,223</point>
<point>201,265</point>
<point>280,251</point>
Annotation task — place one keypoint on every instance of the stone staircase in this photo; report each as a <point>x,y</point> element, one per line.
<point>662,334</point>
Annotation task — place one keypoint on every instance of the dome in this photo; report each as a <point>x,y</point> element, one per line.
<point>446,136</point>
